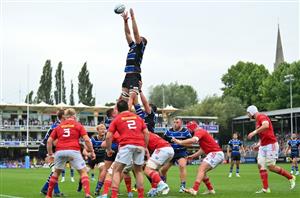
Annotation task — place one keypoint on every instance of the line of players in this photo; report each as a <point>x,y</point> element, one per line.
<point>128,141</point>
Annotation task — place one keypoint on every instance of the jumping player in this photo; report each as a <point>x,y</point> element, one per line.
<point>293,146</point>
<point>43,153</point>
<point>268,149</point>
<point>235,145</point>
<point>214,156</point>
<point>68,148</point>
<point>130,85</point>
<point>180,155</point>
<point>134,137</point>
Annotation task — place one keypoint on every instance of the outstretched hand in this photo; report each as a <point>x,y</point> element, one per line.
<point>131,13</point>
<point>125,16</point>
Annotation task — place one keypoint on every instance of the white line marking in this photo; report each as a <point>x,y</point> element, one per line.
<point>9,196</point>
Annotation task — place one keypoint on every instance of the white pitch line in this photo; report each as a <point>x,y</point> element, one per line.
<point>9,196</point>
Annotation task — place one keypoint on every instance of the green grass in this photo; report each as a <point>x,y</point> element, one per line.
<point>27,183</point>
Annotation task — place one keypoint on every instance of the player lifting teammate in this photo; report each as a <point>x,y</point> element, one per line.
<point>268,149</point>
<point>130,85</point>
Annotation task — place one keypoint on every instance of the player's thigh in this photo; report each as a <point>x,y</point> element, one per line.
<point>77,161</point>
<point>60,160</point>
<point>182,162</point>
<point>125,155</point>
<point>272,154</point>
<point>160,157</point>
<point>138,155</point>
<point>214,158</point>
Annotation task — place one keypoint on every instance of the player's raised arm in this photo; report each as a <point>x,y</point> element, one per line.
<point>126,28</point>
<point>136,33</point>
<point>144,99</point>
<point>89,146</point>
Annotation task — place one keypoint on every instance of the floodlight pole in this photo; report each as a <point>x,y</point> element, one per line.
<point>289,79</point>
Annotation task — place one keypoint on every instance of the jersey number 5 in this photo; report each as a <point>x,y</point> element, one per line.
<point>131,124</point>
<point>66,132</point>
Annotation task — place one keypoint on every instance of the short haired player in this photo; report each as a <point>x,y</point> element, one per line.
<point>268,149</point>
<point>214,156</point>
<point>68,134</point>
<point>134,138</point>
<point>293,147</point>
<point>235,146</point>
<point>137,44</point>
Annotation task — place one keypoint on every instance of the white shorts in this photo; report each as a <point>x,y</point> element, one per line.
<point>131,154</point>
<point>159,157</point>
<point>214,158</point>
<point>74,157</point>
<point>268,154</point>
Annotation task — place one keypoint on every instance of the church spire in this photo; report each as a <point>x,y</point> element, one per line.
<point>279,51</point>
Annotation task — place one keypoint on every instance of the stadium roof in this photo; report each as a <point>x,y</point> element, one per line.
<point>277,112</point>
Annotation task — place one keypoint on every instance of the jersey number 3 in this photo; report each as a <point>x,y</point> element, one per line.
<point>66,132</point>
<point>131,124</point>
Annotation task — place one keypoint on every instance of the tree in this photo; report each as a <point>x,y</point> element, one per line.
<point>60,92</point>
<point>179,96</point>
<point>275,92</point>
<point>44,90</point>
<point>225,108</point>
<point>243,80</point>
<point>72,102</point>
<point>28,98</point>
<point>85,87</point>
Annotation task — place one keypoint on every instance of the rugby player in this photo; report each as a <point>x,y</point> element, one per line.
<point>293,147</point>
<point>43,153</point>
<point>268,149</point>
<point>134,137</point>
<point>235,145</point>
<point>162,153</point>
<point>67,135</point>
<point>181,133</point>
<point>130,85</point>
<point>214,156</point>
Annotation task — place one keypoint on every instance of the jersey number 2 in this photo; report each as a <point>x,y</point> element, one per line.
<point>66,132</point>
<point>131,124</point>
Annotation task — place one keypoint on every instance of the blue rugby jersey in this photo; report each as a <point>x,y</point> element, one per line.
<point>294,144</point>
<point>99,151</point>
<point>183,134</point>
<point>134,57</point>
<point>150,119</point>
<point>235,146</point>
<point>52,127</point>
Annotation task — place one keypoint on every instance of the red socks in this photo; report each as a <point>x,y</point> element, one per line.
<point>140,192</point>
<point>264,178</point>
<point>86,184</point>
<point>114,192</point>
<point>107,185</point>
<point>155,177</point>
<point>52,182</point>
<point>127,180</point>
<point>196,186</point>
<point>208,184</point>
<point>285,173</point>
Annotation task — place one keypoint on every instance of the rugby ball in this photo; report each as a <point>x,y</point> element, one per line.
<point>119,8</point>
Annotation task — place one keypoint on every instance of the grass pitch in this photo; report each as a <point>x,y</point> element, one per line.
<point>27,183</point>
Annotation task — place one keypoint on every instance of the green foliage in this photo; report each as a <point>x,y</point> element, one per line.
<point>179,96</point>
<point>224,108</point>
<point>60,92</point>
<point>44,90</point>
<point>85,87</point>
<point>275,93</point>
<point>28,98</point>
<point>243,80</point>
<point>72,101</point>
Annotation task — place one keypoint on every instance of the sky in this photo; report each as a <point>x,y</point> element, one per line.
<point>190,42</point>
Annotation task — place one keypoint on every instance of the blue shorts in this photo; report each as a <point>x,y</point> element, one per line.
<point>178,155</point>
<point>294,155</point>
